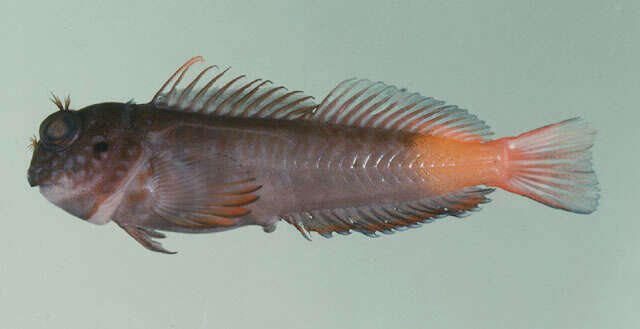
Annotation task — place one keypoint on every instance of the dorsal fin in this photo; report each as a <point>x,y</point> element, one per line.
<point>227,95</point>
<point>353,102</point>
<point>366,103</point>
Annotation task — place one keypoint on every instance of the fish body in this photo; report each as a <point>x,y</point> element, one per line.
<point>369,158</point>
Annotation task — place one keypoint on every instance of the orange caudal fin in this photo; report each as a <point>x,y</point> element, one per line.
<point>552,165</point>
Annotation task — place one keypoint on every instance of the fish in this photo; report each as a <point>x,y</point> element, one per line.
<point>222,152</point>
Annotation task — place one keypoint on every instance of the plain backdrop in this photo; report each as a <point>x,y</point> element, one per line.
<point>516,264</point>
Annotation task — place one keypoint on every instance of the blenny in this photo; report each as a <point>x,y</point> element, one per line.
<point>223,152</point>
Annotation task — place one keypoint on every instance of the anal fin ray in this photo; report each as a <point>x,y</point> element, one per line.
<point>388,218</point>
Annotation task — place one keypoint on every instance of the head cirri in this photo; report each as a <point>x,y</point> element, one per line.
<point>83,156</point>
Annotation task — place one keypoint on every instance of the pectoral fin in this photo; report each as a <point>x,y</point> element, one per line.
<point>200,187</point>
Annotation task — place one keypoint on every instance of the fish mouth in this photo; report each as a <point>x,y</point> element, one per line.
<point>34,177</point>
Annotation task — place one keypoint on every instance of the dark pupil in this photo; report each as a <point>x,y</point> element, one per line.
<point>101,147</point>
<point>57,129</point>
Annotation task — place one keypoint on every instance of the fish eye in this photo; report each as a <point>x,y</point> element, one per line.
<point>60,129</point>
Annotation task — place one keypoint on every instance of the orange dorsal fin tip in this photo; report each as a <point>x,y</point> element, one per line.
<point>181,70</point>
<point>375,104</point>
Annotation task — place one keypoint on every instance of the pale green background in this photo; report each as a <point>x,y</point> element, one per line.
<point>516,264</point>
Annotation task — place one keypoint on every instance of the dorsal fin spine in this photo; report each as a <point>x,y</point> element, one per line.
<point>185,65</point>
<point>262,98</point>
<point>284,108</point>
<point>230,98</point>
<point>204,90</point>
<point>245,113</point>
<point>236,94</point>
<point>278,100</point>
<point>187,90</point>
<point>220,91</point>
<point>173,88</point>
<point>247,96</point>
<point>308,109</point>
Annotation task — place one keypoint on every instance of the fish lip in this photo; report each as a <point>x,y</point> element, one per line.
<point>36,183</point>
<point>32,182</point>
<point>33,176</point>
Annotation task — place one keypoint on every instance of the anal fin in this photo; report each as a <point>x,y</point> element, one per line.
<point>386,219</point>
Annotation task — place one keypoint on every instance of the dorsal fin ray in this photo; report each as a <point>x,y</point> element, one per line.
<point>226,95</point>
<point>353,102</point>
<point>366,103</point>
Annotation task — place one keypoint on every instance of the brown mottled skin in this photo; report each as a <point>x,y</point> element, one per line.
<point>147,131</point>
<point>290,160</point>
<point>96,173</point>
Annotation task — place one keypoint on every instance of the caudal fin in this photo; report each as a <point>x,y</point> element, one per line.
<point>552,165</point>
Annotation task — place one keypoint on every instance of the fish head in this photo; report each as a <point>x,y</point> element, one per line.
<point>82,157</point>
